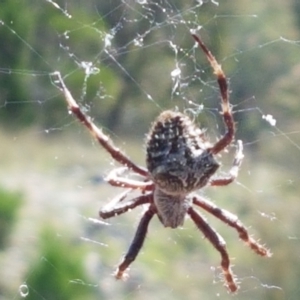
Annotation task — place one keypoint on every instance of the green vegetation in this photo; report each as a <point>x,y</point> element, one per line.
<point>10,203</point>
<point>59,273</point>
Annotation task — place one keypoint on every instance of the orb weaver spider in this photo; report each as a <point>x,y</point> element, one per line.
<point>179,161</point>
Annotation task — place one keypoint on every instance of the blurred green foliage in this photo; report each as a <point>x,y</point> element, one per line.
<point>10,202</point>
<point>48,41</point>
<point>59,272</point>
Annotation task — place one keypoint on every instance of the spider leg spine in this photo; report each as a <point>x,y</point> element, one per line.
<point>234,222</point>
<point>136,243</point>
<point>113,209</point>
<point>233,172</point>
<point>219,244</point>
<point>226,109</point>
<point>96,132</point>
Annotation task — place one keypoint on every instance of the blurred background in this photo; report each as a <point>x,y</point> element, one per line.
<point>125,62</point>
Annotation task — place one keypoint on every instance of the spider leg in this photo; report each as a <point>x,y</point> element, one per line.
<point>114,207</point>
<point>233,221</point>
<point>220,245</point>
<point>96,132</point>
<point>233,173</point>
<point>226,109</point>
<point>136,244</point>
<point>114,179</point>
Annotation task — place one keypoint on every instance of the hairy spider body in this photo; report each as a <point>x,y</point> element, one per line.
<point>178,157</point>
<point>179,161</point>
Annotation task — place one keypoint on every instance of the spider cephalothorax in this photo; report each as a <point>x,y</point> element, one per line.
<point>179,161</point>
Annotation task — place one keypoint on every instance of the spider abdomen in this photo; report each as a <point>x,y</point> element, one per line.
<point>178,156</point>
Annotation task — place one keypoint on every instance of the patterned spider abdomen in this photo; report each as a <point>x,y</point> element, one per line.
<point>178,156</point>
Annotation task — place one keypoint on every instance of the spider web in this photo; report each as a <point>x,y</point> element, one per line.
<point>125,62</point>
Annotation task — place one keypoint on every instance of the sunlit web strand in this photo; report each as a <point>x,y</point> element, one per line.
<point>24,42</point>
<point>64,11</point>
<point>149,97</point>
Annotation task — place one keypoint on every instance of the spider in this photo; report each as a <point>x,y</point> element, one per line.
<point>179,162</point>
